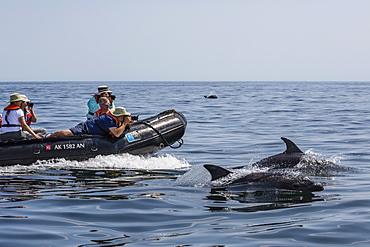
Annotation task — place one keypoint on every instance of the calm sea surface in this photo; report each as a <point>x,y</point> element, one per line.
<point>125,200</point>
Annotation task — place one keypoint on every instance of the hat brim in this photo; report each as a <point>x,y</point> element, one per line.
<point>11,101</point>
<point>99,93</point>
<point>125,114</point>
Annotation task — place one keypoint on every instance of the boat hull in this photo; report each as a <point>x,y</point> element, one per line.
<point>144,137</point>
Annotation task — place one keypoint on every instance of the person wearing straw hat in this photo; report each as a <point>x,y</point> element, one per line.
<point>13,120</point>
<point>93,105</point>
<point>30,117</point>
<point>112,123</point>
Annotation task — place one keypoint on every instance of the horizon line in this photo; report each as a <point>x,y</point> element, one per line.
<point>185,81</point>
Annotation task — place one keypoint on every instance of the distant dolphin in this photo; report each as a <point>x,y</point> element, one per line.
<point>277,180</point>
<point>211,95</point>
<point>288,159</point>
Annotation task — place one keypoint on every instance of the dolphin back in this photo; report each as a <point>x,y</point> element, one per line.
<point>291,147</point>
<point>265,180</point>
<point>216,171</point>
<point>287,159</point>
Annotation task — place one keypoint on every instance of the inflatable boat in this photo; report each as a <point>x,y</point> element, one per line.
<point>146,136</point>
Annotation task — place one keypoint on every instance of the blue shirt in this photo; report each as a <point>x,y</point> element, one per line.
<point>100,125</point>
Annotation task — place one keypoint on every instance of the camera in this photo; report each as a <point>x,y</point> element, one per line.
<point>30,104</point>
<point>113,97</point>
<point>135,118</point>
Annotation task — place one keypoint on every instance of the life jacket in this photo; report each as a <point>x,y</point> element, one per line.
<point>114,117</point>
<point>99,113</point>
<point>9,108</point>
<point>12,107</point>
<point>28,117</point>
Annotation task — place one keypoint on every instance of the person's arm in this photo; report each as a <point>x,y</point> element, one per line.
<point>93,105</point>
<point>33,115</point>
<point>117,131</point>
<point>27,128</point>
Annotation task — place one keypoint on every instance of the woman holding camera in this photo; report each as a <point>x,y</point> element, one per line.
<point>30,117</point>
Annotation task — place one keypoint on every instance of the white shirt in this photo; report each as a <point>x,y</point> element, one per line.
<point>13,117</point>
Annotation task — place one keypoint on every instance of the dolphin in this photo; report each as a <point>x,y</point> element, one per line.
<point>288,159</point>
<point>277,180</point>
<point>211,95</point>
<point>293,156</point>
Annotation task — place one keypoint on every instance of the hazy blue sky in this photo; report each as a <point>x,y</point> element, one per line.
<point>154,40</point>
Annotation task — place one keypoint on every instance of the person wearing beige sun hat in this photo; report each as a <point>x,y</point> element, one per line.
<point>113,122</point>
<point>93,103</point>
<point>13,122</point>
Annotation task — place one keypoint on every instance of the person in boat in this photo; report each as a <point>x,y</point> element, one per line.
<point>104,104</point>
<point>30,117</point>
<point>14,122</point>
<point>93,104</point>
<point>114,122</point>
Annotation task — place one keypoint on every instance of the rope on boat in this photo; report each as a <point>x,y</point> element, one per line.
<point>180,141</point>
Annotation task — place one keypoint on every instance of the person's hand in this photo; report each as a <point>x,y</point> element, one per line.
<point>38,136</point>
<point>30,106</point>
<point>127,120</point>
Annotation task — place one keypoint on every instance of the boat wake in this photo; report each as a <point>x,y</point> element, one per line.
<point>107,162</point>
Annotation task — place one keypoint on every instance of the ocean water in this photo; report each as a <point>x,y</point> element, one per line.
<point>126,200</point>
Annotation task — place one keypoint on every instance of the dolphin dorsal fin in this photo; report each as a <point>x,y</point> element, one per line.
<point>290,146</point>
<point>217,171</point>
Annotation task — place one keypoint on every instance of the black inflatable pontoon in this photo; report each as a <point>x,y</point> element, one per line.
<point>144,137</point>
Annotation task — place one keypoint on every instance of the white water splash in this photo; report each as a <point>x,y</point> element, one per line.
<point>312,155</point>
<point>114,162</point>
<point>316,164</point>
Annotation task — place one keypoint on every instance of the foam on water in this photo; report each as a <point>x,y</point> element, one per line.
<point>312,155</point>
<point>316,164</point>
<point>114,161</point>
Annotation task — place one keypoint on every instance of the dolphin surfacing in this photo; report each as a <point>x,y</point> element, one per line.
<point>277,180</point>
<point>287,159</point>
<point>293,156</point>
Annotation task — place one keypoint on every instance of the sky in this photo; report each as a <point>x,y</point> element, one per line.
<point>192,40</point>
